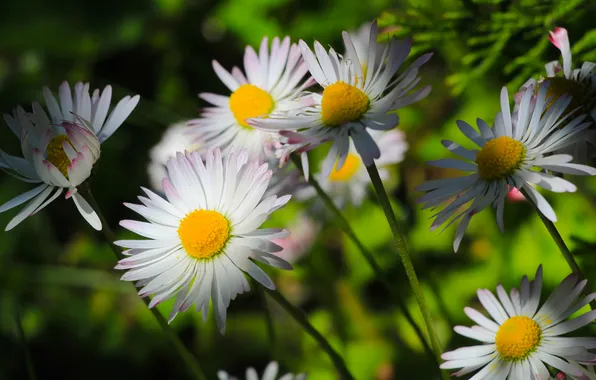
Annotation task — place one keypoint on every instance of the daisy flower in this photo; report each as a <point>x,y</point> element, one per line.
<point>202,238</point>
<point>349,184</point>
<point>174,139</point>
<point>59,151</point>
<point>270,374</point>
<point>352,103</point>
<point>509,153</point>
<point>579,83</point>
<point>520,338</point>
<point>271,80</point>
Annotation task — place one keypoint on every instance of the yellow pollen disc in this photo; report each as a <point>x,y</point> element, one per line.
<point>343,102</point>
<point>348,170</point>
<point>560,86</point>
<point>203,233</point>
<point>517,338</point>
<point>250,101</point>
<point>56,155</point>
<point>499,158</point>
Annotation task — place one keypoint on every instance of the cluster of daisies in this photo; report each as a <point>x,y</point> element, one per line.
<point>216,179</point>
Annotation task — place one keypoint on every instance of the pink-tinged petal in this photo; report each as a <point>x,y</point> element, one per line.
<point>87,212</point>
<point>70,193</point>
<point>559,38</point>
<point>225,76</point>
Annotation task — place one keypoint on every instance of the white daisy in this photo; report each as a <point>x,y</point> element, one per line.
<point>272,79</point>
<point>270,374</point>
<point>509,153</point>
<point>203,237</point>
<point>520,338</point>
<point>579,83</point>
<point>59,152</point>
<point>349,184</point>
<point>175,139</point>
<point>351,103</point>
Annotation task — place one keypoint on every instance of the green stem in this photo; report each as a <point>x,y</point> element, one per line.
<point>268,319</point>
<point>402,250</point>
<point>369,257</point>
<point>302,319</point>
<point>23,339</point>
<point>554,233</point>
<point>109,235</point>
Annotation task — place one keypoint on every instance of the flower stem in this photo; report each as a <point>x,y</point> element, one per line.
<point>23,339</point>
<point>302,319</point>
<point>554,233</point>
<point>402,250</point>
<point>268,319</point>
<point>187,357</point>
<point>369,257</point>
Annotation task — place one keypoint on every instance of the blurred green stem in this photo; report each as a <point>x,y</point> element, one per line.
<point>402,250</point>
<point>302,319</point>
<point>23,339</point>
<point>268,319</point>
<point>552,230</point>
<point>345,226</point>
<point>187,357</point>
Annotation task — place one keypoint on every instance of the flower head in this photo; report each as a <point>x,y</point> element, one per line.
<point>580,84</point>
<point>520,337</point>
<point>203,238</point>
<point>352,103</point>
<point>59,151</point>
<point>269,374</point>
<point>509,153</point>
<point>270,81</point>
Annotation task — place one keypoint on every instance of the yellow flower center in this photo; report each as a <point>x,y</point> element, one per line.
<point>348,170</point>
<point>250,101</point>
<point>517,338</point>
<point>56,155</point>
<point>560,86</point>
<point>204,233</point>
<point>343,102</point>
<point>499,158</point>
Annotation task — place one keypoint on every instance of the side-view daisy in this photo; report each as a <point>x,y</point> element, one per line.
<point>509,153</point>
<point>174,139</point>
<point>203,238</point>
<point>579,83</point>
<point>352,103</point>
<point>349,184</point>
<point>270,81</point>
<point>270,373</point>
<point>520,339</point>
<point>59,152</point>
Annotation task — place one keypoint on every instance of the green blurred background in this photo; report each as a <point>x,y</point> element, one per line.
<point>56,275</point>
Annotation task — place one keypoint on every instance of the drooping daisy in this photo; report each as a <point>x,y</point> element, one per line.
<point>270,374</point>
<point>272,80</point>
<point>349,184</point>
<point>203,238</point>
<point>351,103</point>
<point>59,152</point>
<point>175,139</point>
<point>579,83</point>
<point>520,338</point>
<point>509,152</point>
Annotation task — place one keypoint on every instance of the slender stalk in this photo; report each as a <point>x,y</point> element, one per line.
<point>268,319</point>
<point>402,250</point>
<point>23,339</point>
<point>302,319</point>
<point>369,257</point>
<point>187,357</point>
<point>554,233</point>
